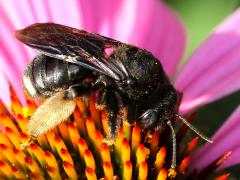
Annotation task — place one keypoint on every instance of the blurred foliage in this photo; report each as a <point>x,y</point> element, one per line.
<point>199,18</point>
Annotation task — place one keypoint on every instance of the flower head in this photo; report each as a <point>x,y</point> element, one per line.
<point>76,149</point>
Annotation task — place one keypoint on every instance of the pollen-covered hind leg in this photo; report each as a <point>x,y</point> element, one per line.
<point>52,112</point>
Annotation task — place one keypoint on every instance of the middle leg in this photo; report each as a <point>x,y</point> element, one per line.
<point>108,99</point>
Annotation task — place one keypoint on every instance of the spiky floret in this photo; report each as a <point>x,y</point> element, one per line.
<point>76,149</point>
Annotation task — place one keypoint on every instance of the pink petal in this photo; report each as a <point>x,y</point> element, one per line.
<point>157,30</point>
<point>232,160</point>
<point>167,38</point>
<point>99,16</point>
<point>225,139</point>
<point>4,95</point>
<point>213,70</point>
<point>15,15</point>
<point>61,12</point>
<point>13,55</point>
<point>19,12</point>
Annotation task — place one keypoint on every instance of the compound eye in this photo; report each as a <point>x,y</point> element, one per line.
<point>131,82</point>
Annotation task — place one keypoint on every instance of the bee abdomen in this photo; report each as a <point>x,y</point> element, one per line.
<point>45,76</point>
<point>28,82</point>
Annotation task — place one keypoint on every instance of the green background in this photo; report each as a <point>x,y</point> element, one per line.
<point>199,18</point>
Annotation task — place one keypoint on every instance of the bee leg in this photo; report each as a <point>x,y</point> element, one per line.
<point>113,118</point>
<point>101,99</point>
<point>48,115</point>
<point>132,112</point>
<point>29,141</point>
<point>77,90</point>
<point>100,84</point>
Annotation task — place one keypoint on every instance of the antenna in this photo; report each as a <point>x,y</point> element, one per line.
<point>193,128</point>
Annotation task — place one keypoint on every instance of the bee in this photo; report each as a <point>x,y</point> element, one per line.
<point>74,63</point>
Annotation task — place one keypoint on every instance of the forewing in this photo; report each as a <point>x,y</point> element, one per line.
<point>60,39</point>
<point>72,45</point>
<point>52,112</point>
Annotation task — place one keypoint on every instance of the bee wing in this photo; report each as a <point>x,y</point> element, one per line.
<point>72,45</point>
<point>52,112</point>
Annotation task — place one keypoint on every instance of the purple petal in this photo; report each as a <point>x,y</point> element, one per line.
<point>213,70</point>
<point>225,139</point>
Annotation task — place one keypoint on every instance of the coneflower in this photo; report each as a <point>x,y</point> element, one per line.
<point>212,72</point>
<point>76,149</point>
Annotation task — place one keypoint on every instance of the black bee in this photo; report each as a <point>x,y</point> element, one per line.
<point>127,78</point>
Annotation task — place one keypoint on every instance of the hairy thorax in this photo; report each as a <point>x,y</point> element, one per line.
<point>142,67</point>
